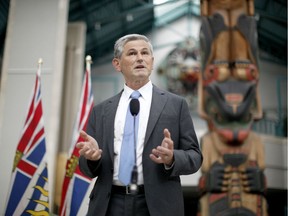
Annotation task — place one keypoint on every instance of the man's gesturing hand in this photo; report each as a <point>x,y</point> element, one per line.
<point>164,153</point>
<point>89,147</point>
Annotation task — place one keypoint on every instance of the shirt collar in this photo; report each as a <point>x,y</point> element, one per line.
<point>145,91</point>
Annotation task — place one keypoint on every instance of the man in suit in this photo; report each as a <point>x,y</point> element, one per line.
<point>167,145</point>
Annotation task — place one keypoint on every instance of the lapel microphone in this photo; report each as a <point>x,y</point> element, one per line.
<point>134,109</point>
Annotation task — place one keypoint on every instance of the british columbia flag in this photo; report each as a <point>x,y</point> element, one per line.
<point>28,193</point>
<point>75,185</point>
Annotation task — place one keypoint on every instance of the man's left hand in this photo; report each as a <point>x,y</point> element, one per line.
<point>164,153</point>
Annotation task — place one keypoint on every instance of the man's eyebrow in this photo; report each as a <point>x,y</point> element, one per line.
<point>131,49</point>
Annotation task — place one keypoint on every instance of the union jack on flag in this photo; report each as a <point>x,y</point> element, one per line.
<point>28,192</point>
<point>75,184</point>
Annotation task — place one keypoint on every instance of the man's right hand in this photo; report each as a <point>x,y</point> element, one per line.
<point>89,147</point>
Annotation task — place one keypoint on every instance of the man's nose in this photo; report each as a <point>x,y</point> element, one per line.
<point>139,57</point>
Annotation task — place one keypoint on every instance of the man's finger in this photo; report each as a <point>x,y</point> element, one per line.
<point>80,145</point>
<point>155,159</point>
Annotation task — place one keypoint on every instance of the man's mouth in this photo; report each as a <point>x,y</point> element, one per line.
<point>139,67</point>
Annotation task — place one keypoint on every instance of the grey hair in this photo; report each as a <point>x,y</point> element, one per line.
<point>120,43</point>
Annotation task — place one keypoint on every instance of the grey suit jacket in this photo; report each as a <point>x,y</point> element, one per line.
<point>162,187</point>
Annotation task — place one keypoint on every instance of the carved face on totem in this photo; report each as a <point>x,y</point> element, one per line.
<point>229,98</point>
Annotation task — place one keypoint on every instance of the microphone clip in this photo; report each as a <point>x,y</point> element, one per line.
<point>133,186</point>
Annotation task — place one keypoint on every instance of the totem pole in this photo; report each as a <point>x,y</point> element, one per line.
<point>233,180</point>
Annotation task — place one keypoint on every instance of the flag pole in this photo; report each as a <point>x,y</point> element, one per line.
<point>88,62</point>
<point>40,62</point>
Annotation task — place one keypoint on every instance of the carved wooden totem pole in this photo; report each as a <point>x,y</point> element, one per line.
<point>232,181</point>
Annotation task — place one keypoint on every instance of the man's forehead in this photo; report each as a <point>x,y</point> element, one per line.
<point>136,44</point>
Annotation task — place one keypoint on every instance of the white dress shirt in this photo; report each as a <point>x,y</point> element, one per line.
<point>145,104</point>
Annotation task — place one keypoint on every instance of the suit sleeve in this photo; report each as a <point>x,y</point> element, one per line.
<point>187,154</point>
<point>88,167</point>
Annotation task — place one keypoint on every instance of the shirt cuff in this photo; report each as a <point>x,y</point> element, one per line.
<point>169,167</point>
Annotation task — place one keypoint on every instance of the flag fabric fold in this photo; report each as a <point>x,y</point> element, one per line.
<point>76,185</point>
<point>28,192</point>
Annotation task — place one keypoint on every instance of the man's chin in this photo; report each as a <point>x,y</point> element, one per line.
<point>142,73</point>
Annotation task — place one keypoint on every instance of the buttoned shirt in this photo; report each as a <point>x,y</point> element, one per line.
<point>145,105</point>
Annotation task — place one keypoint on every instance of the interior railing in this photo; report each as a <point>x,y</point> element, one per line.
<point>273,123</point>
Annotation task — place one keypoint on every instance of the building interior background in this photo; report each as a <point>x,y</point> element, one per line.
<point>174,27</point>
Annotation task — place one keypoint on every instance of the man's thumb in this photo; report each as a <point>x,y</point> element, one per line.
<point>167,133</point>
<point>84,135</point>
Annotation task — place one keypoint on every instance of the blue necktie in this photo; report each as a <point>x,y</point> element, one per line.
<point>127,156</point>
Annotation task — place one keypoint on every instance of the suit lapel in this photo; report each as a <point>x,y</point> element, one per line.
<point>109,117</point>
<point>159,99</point>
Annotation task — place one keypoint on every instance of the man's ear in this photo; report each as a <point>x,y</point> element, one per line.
<point>116,64</point>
